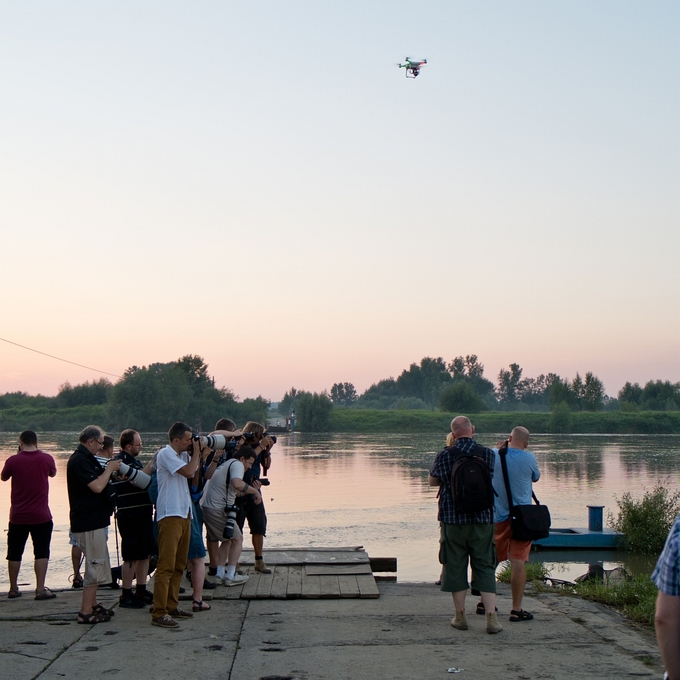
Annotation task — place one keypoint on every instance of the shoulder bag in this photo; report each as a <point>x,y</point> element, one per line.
<point>527,522</point>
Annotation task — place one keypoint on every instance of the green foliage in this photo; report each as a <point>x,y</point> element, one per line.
<point>656,395</point>
<point>536,571</point>
<point>561,419</point>
<point>290,401</point>
<point>314,413</point>
<point>43,419</point>
<point>85,394</point>
<point>645,523</point>
<point>343,394</point>
<point>635,598</point>
<point>460,397</point>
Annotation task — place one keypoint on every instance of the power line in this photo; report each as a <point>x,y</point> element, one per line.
<point>51,356</point>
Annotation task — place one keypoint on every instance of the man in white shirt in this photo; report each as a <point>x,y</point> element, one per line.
<point>173,514</point>
<point>220,494</point>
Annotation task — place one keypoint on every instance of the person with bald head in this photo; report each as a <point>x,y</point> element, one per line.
<point>522,472</point>
<point>466,536</point>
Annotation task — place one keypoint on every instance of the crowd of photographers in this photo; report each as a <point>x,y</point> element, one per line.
<point>161,509</point>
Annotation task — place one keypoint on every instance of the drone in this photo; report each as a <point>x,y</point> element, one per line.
<point>412,67</point>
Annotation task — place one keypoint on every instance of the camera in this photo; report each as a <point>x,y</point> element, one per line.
<point>212,441</point>
<point>272,436</point>
<point>136,477</point>
<point>232,512</point>
<point>264,481</point>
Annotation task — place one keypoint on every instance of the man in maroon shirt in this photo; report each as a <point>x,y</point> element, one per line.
<point>29,512</point>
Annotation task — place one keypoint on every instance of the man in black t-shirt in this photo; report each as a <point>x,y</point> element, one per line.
<point>134,515</point>
<point>90,513</point>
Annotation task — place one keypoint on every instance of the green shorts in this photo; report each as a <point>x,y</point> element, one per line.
<point>459,543</point>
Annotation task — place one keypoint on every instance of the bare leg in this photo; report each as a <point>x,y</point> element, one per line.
<point>459,600</point>
<point>128,572</point>
<point>518,579</point>
<point>89,599</point>
<point>76,560</point>
<point>197,566</point>
<point>489,600</point>
<point>235,547</point>
<point>258,544</point>
<point>40,568</point>
<point>212,553</point>
<point>141,572</point>
<point>13,569</point>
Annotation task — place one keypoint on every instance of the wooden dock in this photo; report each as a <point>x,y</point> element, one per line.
<point>301,573</point>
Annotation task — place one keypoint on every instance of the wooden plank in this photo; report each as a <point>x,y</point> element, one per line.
<point>294,588</point>
<point>348,585</point>
<point>311,586</point>
<point>280,582</point>
<point>234,592</point>
<point>367,586</point>
<point>264,587</point>
<point>309,556</point>
<point>329,586</point>
<point>336,569</point>
<point>384,564</point>
<point>250,587</point>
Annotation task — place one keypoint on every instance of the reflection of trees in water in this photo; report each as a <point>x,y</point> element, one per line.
<point>656,455</point>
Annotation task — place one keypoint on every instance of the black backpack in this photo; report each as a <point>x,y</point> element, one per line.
<point>471,485</point>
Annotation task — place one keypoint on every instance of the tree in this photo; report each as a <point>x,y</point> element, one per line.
<point>630,395</point>
<point>290,401</point>
<point>425,380</point>
<point>470,370</point>
<point>593,393</point>
<point>85,394</point>
<point>314,412</point>
<point>660,395</point>
<point>509,384</point>
<point>461,398</point>
<point>343,394</point>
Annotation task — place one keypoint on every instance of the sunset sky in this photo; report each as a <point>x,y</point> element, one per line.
<point>257,182</point>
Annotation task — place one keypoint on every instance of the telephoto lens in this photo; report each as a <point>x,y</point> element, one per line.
<point>231,521</point>
<point>213,441</point>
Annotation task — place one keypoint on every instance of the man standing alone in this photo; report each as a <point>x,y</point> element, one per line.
<point>173,514</point>
<point>465,535</point>
<point>29,513</point>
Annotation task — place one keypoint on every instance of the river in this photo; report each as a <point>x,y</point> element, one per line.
<point>371,490</point>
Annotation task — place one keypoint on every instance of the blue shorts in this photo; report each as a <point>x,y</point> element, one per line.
<point>196,545</point>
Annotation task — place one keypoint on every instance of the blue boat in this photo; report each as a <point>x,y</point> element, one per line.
<point>580,538</point>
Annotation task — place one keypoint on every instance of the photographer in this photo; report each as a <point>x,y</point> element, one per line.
<point>90,515</point>
<point>134,515</point>
<point>219,512</point>
<point>255,512</point>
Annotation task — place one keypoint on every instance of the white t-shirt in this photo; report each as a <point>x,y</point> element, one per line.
<point>215,494</point>
<point>174,499</point>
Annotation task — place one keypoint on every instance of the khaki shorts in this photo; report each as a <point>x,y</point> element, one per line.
<point>96,551</point>
<point>215,521</point>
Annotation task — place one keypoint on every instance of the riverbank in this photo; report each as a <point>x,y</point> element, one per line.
<point>404,634</point>
<point>644,422</point>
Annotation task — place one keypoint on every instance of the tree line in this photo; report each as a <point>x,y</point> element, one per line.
<point>461,386</point>
<point>148,398</point>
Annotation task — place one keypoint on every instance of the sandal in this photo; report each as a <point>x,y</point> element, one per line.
<point>481,610</point>
<point>520,615</point>
<point>200,606</point>
<point>93,617</point>
<point>13,594</point>
<point>102,610</point>
<point>45,594</point>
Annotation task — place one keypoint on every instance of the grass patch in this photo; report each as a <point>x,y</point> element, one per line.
<point>536,571</point>
<point>635,598</point>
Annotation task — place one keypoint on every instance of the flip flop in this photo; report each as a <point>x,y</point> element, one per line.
<point>46,594</point>
<point>13,594</point>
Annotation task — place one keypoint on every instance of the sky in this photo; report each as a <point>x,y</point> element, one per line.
<point>259,184</point>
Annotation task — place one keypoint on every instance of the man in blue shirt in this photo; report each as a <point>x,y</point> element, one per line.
<point>522,471</point>
<point>666,576</point>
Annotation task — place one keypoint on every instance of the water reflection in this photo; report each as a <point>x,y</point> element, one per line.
<point>371,489</point>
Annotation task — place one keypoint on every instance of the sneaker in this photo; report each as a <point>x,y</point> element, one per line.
<point>238,580</point>
<point>262,567</point>
<point>165,622</point>
<point>132,602</point>
<point>181,614</point>
<point>208,585</point>
<point>147,596</point>
<point>460,621</point>
<point>492,625</point>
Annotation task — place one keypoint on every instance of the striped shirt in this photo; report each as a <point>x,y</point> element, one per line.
<point>666,576</point>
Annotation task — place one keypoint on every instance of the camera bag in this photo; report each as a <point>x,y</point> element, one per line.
<point>527,522</point>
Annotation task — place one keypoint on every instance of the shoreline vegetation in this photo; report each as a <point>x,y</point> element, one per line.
<point>367,421</point>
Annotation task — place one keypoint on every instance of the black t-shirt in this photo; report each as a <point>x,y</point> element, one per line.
<point>130,500</point>
<point>89,510</point>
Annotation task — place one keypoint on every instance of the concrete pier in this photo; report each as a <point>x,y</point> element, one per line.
<point>405,634</point>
